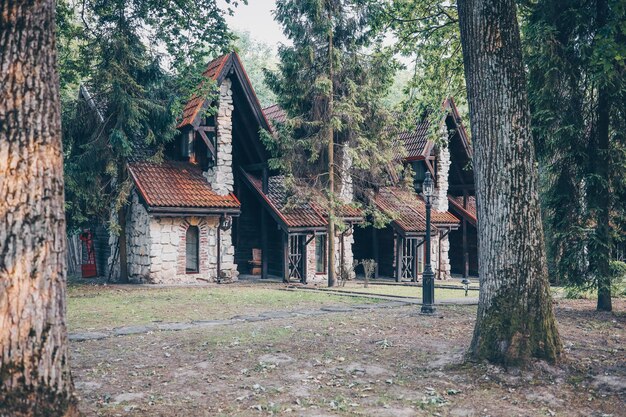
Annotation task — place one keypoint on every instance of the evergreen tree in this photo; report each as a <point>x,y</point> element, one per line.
<point>135,97</point>
<point>577,84</point>
<point>332,90</point>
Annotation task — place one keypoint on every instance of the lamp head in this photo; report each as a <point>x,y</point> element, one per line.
<point>428,187</point>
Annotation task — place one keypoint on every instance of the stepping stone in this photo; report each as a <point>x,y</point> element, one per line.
<point>391,304</point>
<point>250,318</point>
<point>128,330</point>
<point>174,326</point>
<point>81,336</point>
<point>337,309</point>
<point>363,306</point>
<point>209,323</point>
<point>309,313</point>
<point>278,314</point>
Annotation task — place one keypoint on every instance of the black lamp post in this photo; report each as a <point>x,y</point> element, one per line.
<point>428,282</point>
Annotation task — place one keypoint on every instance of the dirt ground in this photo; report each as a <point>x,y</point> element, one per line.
<point>384,362</point>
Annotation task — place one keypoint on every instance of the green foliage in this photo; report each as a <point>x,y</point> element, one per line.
<point>305,86</point>
<point>256,58</point>
<point>618,278</point>
<point>569,59</point>
<point>140,61</point>
<point>426,31</point>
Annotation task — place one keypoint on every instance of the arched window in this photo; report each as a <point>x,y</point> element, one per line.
<point>193,250</point>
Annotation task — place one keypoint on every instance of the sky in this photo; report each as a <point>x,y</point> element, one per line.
<point>256,17</point>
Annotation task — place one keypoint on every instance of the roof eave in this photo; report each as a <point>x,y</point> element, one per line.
<point>193,211</point>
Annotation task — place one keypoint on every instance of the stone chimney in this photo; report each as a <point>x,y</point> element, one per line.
<point>221,175</point>
<point>440,200</point>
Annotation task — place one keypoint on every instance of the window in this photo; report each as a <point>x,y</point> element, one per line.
<point>320,254</point>
<point>193,257</point>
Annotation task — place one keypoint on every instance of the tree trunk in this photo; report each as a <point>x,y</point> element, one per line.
<point>332,279</point>
<point>599,192</point>
<point>515,318</point>
<point>35,376</point>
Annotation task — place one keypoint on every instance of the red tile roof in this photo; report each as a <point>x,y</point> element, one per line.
<point>176,184</point>
<point>416,142</point>
<point>194,105</point>
<point>275,113</point>
<point>305,214</point>
<point>469,211</point>
<point>408,210</point>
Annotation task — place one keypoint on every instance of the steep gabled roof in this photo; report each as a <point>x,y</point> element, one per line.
<point>408,211</point>
<point>468,211</point>
<point>275,114</point>
<point>177,184</point>
<point>216,71</point>
<point>306,215</point>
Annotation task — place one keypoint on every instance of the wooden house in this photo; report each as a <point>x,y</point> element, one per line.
<point>399,248</point>
<point>212,207</point>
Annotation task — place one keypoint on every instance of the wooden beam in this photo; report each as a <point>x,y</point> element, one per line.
<point>398,257</point>
<point>465,251</point>
<point>414,245</point>
<point>264,245</point>
<point>285,257</point>
<point>208,143</point>
<point>206,129</point>
<point>430,167</point>
<point>375,249</point>
<point>304,260</point>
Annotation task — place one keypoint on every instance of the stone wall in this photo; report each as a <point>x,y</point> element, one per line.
<point>156,248</point>
<point>440,199</point>
<point>312,276</point>
<point>138,240</point>
<point>445,272</point>
<point>168,250</point>
<point>221,175</point>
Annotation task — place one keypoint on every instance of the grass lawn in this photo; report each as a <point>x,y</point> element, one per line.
<point>100,307</point>
<point>405,291</point>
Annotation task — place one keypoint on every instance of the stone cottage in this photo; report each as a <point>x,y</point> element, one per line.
<point>213,207</point>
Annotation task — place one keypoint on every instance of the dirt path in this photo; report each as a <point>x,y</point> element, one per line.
<point>382,362</point>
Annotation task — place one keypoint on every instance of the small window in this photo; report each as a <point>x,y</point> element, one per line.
<point>320,254</point>
<point>193,257</point>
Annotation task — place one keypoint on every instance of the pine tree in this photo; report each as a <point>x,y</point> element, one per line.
<point>136,98</point>
<point>331,89</point>
<point>576,85</point>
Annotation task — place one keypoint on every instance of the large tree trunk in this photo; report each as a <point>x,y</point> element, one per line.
<point>515,318</point>
<point>34,370</point>
<point>599,192</point>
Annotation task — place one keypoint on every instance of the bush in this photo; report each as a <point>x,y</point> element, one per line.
<point>618,278</point>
